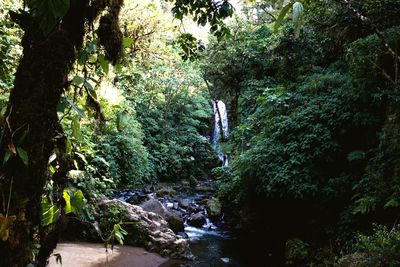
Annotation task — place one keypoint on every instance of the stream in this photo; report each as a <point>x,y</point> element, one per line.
<point>210,241</point>
<point>211,244</point>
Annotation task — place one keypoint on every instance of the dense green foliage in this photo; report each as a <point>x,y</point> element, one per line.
<point>316,123</point>
<point>143,121</point>
<point>312,91</point>
<point>174,111</point>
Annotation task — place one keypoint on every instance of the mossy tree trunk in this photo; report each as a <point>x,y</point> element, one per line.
<point>32,111</point>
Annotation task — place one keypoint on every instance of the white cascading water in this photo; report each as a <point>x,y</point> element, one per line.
<point>220,119</point>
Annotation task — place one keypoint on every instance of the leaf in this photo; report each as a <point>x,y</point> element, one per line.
<point>393,202</point>
<point>67,198</point>
<point>52,169</point>
<point>356,155</point>
<point>48,12</point>
<point>81,114</point>
<point>82,57</point>
<point>281,16</point>
<point>127,41</point>
<point>78,203</point>
<point>5,224</point>
<point>76,129</point>
<point>77,80</point>
<point>7,156</point>
<point>119,233</point>
<point>62,104</point>
<point>91,47</point>
<point>49,212</point>
<point>88,86</point>
<point>52,158</point>
<point>60,7</point>
<point>68,146</point>
<point>23,136</point>
<point>297,18</point>
<point>23,155</point>
<point>117,68</point>
<point>104,64</point>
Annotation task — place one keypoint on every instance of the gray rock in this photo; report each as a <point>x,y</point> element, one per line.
<point>214,208</point>
<point>197,220</point>
<point>184,203</point>
<point>136,198</point>
<point>152,230</point>
<point>175,222</point>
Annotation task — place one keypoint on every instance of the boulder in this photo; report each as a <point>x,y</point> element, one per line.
<point>184,203</point>
<point>175,222</point>
<point>165,191</point>
<point>214,208</point>
<point>197,220</point>
<point>144,228</point>
<point>137,198</point>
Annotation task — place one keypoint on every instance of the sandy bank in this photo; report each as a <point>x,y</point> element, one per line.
<point>94,255</point>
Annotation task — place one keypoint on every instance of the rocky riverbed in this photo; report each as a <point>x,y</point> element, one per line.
<point>194,213</point>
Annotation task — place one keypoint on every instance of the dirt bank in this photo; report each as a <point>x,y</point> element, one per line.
<point>94,255</point>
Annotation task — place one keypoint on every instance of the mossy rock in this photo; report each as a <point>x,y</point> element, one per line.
<point>145,229</point>
<point>214,207</point>
<point>113,214</point>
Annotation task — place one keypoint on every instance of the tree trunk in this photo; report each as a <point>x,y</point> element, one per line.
<point>40,80</point>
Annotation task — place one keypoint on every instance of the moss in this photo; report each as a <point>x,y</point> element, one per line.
<point>214,207</point>
<point>112,214</point>
<point>137,235</point>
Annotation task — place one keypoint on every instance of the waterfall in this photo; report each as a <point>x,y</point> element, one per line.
<point>220,121</point>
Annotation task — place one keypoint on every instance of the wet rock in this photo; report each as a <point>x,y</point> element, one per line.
<point>225,260</point>
<point>204,188</point>
<point>136,198</point>
<point>197,220</point>
<point>166,191</point>
<point>214,208</point>
<point>184,203</point>
<point>175,222</point>
<point>146,229</point>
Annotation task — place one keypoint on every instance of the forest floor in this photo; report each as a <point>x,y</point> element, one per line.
<point>82,254</point>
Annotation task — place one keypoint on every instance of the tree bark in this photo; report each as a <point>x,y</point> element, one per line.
<point>40,80</point>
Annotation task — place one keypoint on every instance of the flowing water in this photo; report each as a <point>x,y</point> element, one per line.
<point>221,129</point>
<point>211,244</point>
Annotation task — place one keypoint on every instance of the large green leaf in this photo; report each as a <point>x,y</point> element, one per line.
<point>281,16</point>
<point>119,233</point>
<point>127,42</point>
<point>78,80</point>
<point>78,203</point>
<point>49,212</point>
<point>76,129</point>
<point>23,156</point>
<point>103,62</point>
<point>67,198</point>
<point>48,12</point>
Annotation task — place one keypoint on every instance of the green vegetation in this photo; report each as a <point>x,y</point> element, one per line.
<point>315,142</point>
<point>100,101</point>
